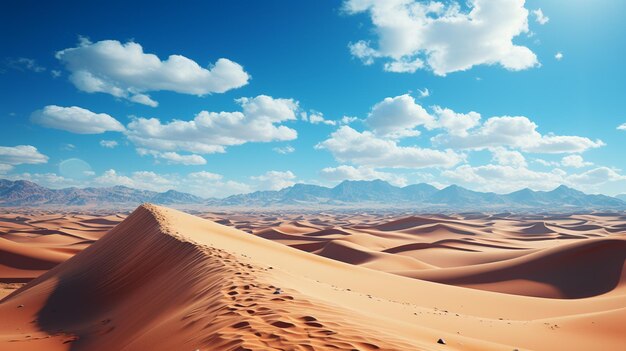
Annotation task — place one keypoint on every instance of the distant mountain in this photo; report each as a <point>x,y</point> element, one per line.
<point>348,193</point>
<point>26,193</point>
<point>621,197</point>
<point>378,192</point>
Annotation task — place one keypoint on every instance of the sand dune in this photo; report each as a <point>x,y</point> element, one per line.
<point>165,280</point>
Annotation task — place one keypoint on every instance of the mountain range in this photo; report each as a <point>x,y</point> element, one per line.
<point>375,193</point>
<point>26,193</point>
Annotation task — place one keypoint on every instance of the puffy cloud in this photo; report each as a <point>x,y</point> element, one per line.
<point>575,161</point>
<point>398,116</point>
<point>316,118</point>
<point>596,176</point>
<point>125,71</point>
<point>173,157</point>
<point>109,144</point>
<point>516,132</point>
<point>558,56</point>
<point>76,120</point>
<point>621,126</point>
<point>412,35</point>
<point>540,17</point>
<point>365,148</point>
<point>344,172</point>
<point>274,180</point>
<point>144,180</point>
<point>211,132</point>
<point>284,150</point>
<point>506,157</point>
<point>21,154</point>
<point>456,123</point>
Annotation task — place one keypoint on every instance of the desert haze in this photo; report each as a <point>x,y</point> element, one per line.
<point>160,279</point>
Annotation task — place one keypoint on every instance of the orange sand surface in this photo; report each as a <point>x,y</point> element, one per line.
<point>160,279</point>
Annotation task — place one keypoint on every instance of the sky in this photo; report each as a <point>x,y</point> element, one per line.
<point>219,98</point>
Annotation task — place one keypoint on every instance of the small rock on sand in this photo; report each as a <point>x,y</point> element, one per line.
<point>441,341</point>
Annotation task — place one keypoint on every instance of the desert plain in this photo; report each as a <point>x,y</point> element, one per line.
<point>162,279</point>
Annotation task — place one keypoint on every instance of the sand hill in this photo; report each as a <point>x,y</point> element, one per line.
<point>166,280</point>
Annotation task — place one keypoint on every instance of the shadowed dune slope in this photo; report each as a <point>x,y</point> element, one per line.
<point>581,269</point>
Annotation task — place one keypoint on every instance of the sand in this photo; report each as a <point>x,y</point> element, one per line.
<point>165,280</point>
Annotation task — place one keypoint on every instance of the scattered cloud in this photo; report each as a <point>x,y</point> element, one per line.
<point>540,17</point>
<point>397,117</point>
<point>515,132</point>
<point>414,35</point>
<point>506,157</point>
<point>574,161</point>
<point>423,93</point>
<point>126,71</point>
<point>504,178</point>
<point>366,149</point>
<point>456,123</point>
<point>76,120</point>
<point>274,180</point>
<point>315,117</point>
<point>174,158</point>
<point>596,176</point>
<point>211,132</point>
<point>55,73</point>
<point>621,126</point>
<point>558,56</point>
<point>344,172</point>
<point>284,149</point>
<point>25,64</point>
<point>109,144</point>
<point>11,156</point>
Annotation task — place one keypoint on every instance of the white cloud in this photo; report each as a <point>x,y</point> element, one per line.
<point>349,145</point>
<point>397,117</point>
<point>596,176</point>
<point>506,157</point>
<point>274,180</point>
<point>423,93</point>
<point>109,144</point>
<point>76,120</point>
<point>173,157</point>
<point>504,178</point>
<point>516,132</point>
<point>558,56</point>
<point>21,154</point>
<point>413,34</point>
<point>125,71</point>
<point>4,168</point>
<point>55,73</point>
<point>284,150</point>
<point>621,126</point>
<point>348,119</point>
<point>344,172</point>
<point>144,180</point>
<point>456,123</point>
<point>316,118</point>
<point>204,176</point>
<point>575,161</point>
<point>211,132</point>
<point>540,17</point>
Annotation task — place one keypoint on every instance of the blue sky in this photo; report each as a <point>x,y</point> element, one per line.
<point>491,95</point>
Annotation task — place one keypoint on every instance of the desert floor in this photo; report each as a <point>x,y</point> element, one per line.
<point>160,279</point>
